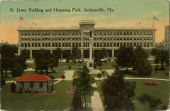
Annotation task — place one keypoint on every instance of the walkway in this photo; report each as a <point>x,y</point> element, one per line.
<point>29,69</point>
<point>96,102</point>
<point>110,71</point>
<point>57,81</point>
<point>69,74</point>
<point>140,78</point>
<point>94,72</point>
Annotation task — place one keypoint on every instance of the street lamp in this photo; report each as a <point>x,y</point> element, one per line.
<point>169,52</point>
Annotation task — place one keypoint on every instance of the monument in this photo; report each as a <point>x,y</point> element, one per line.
<point>90,62</point>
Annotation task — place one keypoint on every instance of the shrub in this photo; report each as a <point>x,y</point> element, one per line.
<point>152,102</point>
<point>67,60</point>
<point>94,66</point>
<point>77,102</point>
<point>2,82</point>
<point>13,87</point>
<point>74,61</point>
<point>52,77</point>
<point>164,107</point>
<point>109,60</point>
<point>99,75</point>
<point>69,67</point>
<point>63,76</point>
<point>79,61</point>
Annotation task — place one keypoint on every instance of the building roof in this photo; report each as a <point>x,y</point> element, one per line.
<point>33,77</point>
<point>77,29</point>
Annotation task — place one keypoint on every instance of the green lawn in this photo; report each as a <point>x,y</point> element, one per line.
<point>32,65</point>
<point>29,72</point>
<point>106,65</point>
<point>158,92</point>
<point>65,66</point>
<point>60,100</point>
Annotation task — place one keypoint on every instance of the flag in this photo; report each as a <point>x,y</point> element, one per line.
<point>21,18</point>
<point>155,18</point>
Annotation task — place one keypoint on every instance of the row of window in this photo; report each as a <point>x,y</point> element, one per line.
<point>78,39</point>
<point>48,33</point>
<point>32,84</point>
<point>86,33</point>
<point>86,44</point>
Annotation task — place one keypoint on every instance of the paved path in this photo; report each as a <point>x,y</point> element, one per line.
<point>69,74</point>
<point>96,102</point>
<point>29,69</point>
<point>57,81</point>
<point>110,71</point>
<point>94,71</point>
<point>147,78</point>
<point>169,93</point>
<point>9,81</point>
<point>137,78</point>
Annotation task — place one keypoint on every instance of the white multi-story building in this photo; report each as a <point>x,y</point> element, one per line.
<point>33,39</point>
<point>167,37</point>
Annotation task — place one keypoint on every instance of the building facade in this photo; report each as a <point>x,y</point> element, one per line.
<point>33,82</point>
<point>34,39</point>
<point>167,37</point>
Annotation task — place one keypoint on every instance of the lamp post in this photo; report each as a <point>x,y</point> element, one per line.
<point>169,58</point>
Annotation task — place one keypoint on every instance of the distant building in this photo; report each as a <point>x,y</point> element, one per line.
<point>167,37</point>
<point>34,39</point>
<point>34,82</point>
<point>161,45</point>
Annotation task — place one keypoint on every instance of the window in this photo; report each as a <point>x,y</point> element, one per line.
<point>40,84</point>
<point>22,45</point>
<point>31,84</point>
<point>22,83</point>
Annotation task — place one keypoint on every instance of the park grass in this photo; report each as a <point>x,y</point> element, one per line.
<point>29,72</point>
<point>65,66</point>
<point>106,65</point>
<point>31,65</point>
<point>60,100</point>
<point>158,92</point>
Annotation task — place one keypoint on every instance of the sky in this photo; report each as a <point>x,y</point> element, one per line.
<point>127,13</point>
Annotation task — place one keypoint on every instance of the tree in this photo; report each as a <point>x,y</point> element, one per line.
<point>141,65</point>
<point>58,53</point>
<point>104,53</point>
<point>98,55</point>
<point>118,93</point>
<point>7,57</point>
<point>161,56</point>
<point>99,75</point>
<point>53,61</point>
<point>83,83</point>
<point>125,57</point>
<point>43,60</point>
<point>76,53</point>
<point>25,54</point>
<point>63,76</point>
<point>17,70</point>
<point>77,102</point>
<point>13,87</point>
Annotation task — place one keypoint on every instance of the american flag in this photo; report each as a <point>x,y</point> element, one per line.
<point>155,18</point>
<point>21,18</point>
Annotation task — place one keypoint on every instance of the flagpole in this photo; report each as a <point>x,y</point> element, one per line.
<point>19,23</point>
<point>153,24</point>
<point>21,18</point>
